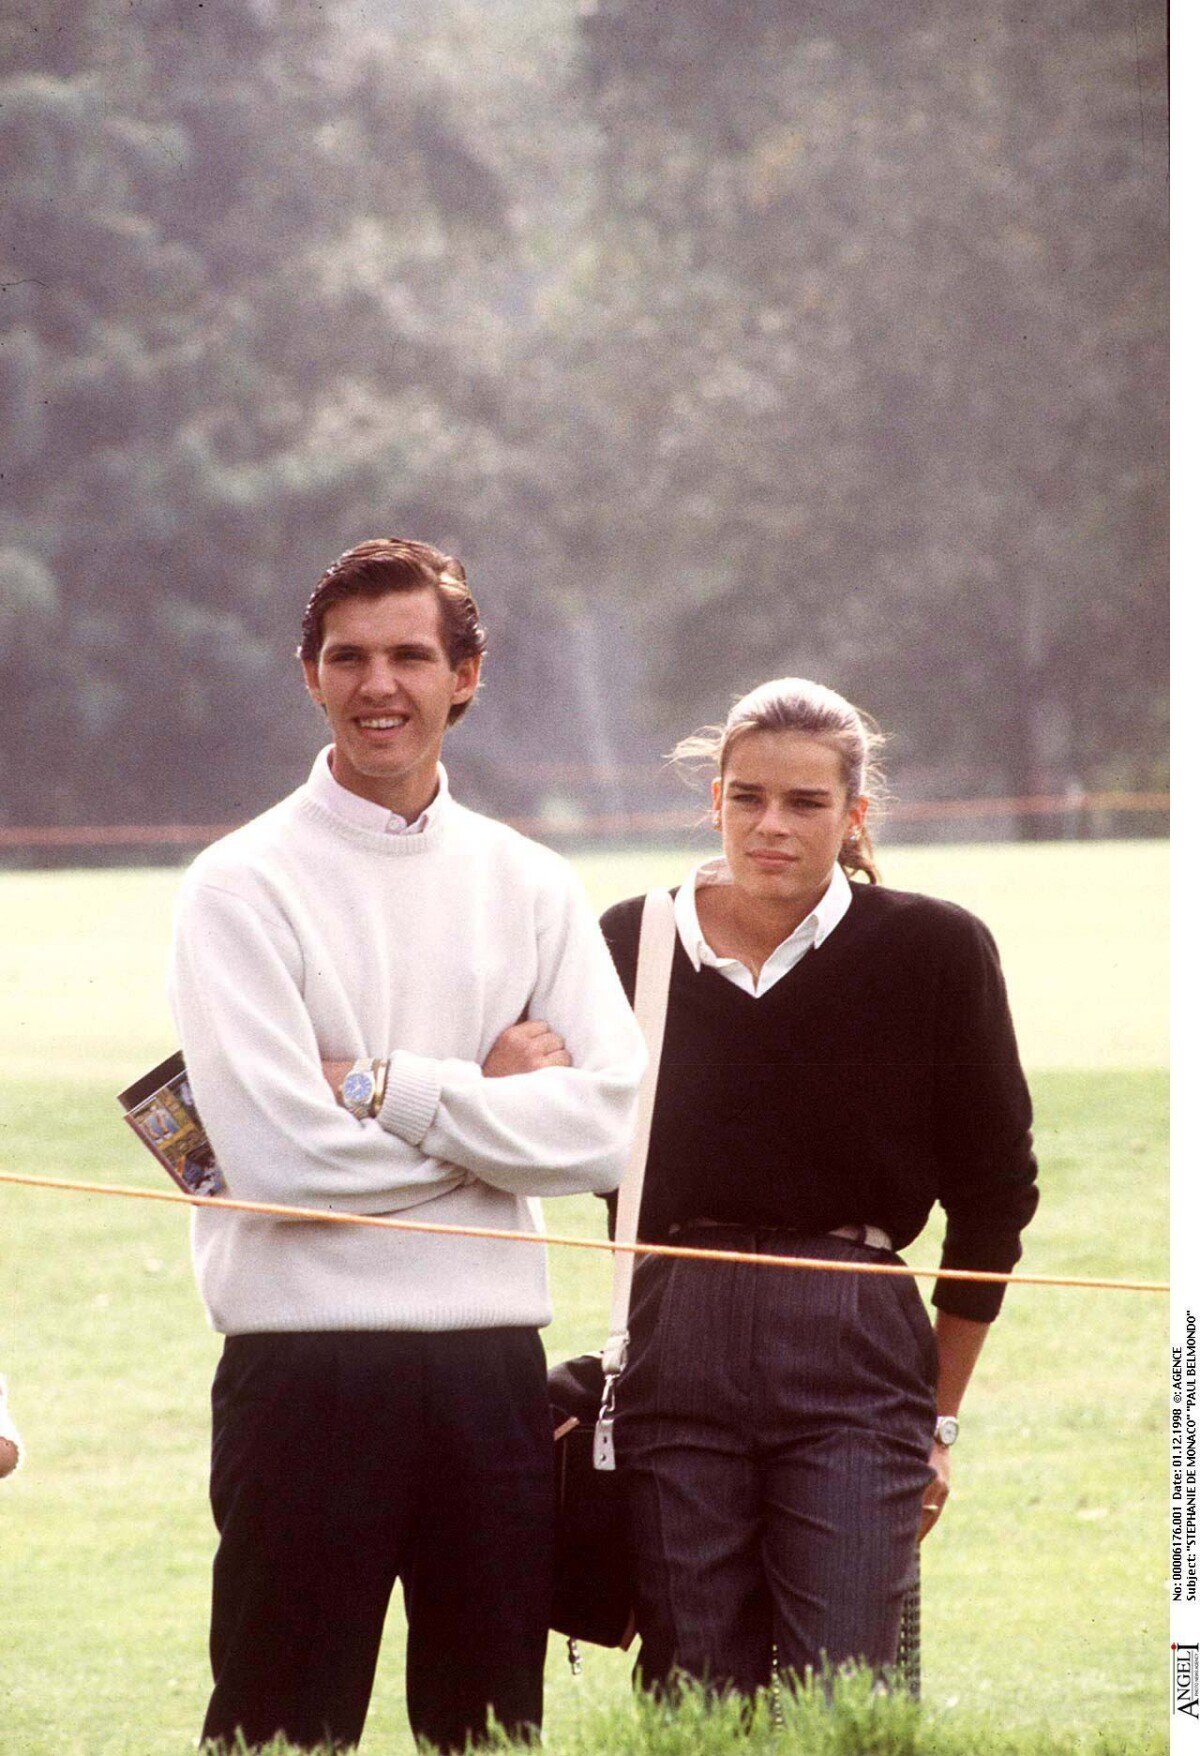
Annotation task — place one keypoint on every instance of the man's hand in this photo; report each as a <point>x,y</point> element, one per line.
<point>525,1048</point>
<point>335,1072</point>
<point>10,1444</point>
<point>938,1491</point>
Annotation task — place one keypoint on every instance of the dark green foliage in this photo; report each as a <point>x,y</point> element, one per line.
<point>226,354</point>
<point>892,289</point>
<point>721,341</point>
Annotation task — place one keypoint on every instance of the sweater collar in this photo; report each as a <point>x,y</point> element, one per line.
<point>813,930</point>
<point>362,813</point>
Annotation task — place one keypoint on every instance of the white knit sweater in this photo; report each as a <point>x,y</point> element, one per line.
<point>306,937</point>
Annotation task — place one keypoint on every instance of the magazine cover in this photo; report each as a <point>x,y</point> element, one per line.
<point>161,1111</point>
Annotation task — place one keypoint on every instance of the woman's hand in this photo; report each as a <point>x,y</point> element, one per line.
<point>959,1341</point>
<point>938,1491</point>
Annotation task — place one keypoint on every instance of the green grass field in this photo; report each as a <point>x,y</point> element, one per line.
<point>1045,1597</point>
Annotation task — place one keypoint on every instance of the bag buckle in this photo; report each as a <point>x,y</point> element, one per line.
<point>604,1449</point>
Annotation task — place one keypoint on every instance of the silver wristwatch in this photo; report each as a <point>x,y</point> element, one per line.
<point>358,1090</point>
<point>945,1429</point>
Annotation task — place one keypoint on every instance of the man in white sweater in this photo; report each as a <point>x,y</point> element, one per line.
<point>388,1005</point>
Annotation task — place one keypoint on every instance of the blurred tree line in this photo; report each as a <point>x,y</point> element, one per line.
<point>720,341</point>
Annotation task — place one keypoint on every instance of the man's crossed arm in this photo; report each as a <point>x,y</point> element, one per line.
<point>533,1119</point>
<point>526,1047</point>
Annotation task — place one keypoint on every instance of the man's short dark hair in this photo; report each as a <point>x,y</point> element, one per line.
<point>384,564</point>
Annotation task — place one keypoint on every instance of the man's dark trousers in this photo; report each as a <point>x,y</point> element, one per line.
<point>343,1461</point>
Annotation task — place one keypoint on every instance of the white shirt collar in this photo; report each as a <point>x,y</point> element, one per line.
<point>364,813</point>
<point>813,930</point>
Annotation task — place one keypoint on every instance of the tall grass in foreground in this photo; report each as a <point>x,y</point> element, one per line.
<point>856,1721</point>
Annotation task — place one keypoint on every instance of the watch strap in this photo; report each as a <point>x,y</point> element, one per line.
<point>379,1072</point>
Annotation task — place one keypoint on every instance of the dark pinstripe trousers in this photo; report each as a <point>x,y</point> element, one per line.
<point>774,1426</point>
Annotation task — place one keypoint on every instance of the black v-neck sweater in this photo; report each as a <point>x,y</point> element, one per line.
<point>878,1076</point>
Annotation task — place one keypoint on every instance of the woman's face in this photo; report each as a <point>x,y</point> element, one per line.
<point>783,813</point>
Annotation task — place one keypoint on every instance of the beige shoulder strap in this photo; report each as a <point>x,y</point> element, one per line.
<point>656,952</point>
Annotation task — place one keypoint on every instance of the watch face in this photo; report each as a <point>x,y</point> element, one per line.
<point>946,1430</point>
<point>358,1088</point>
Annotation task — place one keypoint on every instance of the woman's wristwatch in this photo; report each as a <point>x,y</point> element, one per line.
<point>363,1089</point>
<point>945,1429</point>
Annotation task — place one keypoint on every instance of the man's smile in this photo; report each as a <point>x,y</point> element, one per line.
<point>384,681</point>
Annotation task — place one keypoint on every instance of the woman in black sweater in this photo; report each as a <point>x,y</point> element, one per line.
<point>838,1057</point>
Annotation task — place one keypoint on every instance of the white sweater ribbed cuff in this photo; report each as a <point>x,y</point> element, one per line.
<point>414,1090</point>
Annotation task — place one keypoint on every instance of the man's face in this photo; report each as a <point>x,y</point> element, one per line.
<point>386,687</point>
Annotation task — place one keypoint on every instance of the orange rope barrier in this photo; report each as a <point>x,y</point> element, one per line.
<point>87,835</point>
<point>683,1252</point>
<point>1036,805</point>
<point>567,821</point>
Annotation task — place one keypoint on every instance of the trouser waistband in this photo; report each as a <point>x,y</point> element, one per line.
<point>874,1237</point>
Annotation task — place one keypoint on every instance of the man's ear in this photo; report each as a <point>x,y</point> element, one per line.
<point>309,668</point>
<point>716,802</point>
<point>466,679</point>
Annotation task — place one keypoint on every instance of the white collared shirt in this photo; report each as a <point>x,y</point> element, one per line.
<point>813,930</point>
<point>364,813</point>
